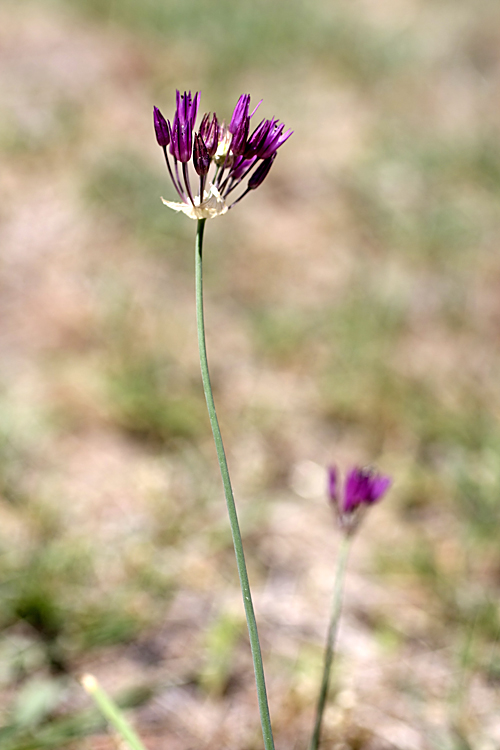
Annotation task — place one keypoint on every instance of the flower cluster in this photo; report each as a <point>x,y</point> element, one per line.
<point>233,153</point>
<point>363,487</point>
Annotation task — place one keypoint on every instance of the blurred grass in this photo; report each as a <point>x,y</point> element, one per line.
<point>429,198</point>
<point>147,393</point>
<point>144,403</point>
<point>124,190</point>
<point>33,726</point>
<point>58,130</point>
<point>221,639</point>
<point>234,37</point>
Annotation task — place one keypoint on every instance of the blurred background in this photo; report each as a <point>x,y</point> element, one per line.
<point>353,315</point>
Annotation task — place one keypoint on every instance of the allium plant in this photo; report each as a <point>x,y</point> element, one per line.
<point>225,163</point>
<point>229,161</point>
<point>363,487</point>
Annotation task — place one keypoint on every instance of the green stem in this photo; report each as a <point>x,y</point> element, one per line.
<point>343,555</point>
<point>265,718</point>
<point>111,712</point>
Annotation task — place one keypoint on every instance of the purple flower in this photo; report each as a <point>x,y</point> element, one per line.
<point>261,173</point>
<point>363,487</point>
<point>242,166</point>
<point>274,139</point>
<point>187,107</point>
<point>239,139</point>
<point>232,152</point>
<point>209,131</point>
<point>266,139</point>
<point>181,144</point>
<point>201,158</point>
<point>240,114</point>
<point>181,135</point>
<point>161,128</point>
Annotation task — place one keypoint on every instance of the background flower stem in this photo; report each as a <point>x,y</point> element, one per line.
<point>231,507</point>
<point>340,571</point>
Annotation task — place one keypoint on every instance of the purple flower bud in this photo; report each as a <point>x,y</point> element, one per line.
<point>201,158</point>
<point>266,139</point>
<point>261,173</point>
<point>194,108</point>
<point>181,145</point>
<point>258,138</point>
<point>209,131</point>
<point>187,107</point>
<point>239,139</point>
<point>161,128</point>
<point>240,166</point>
<point>240,125</point>
<point>240,114</point>
<point>273,140</point>
<point>204,125</point>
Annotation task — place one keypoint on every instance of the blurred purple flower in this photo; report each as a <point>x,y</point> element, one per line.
<point>234,154</point>
<point>332,483</point>
<point>363,487</point>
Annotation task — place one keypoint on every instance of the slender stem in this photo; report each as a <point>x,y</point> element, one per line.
<point>179,191</point>
<point>338,588</point>
<point>241,196</point>
<point>186,180</point>
<point>111,712</point>
<point>265,718</point>
<point>235,183</point>
<point>179,181</point>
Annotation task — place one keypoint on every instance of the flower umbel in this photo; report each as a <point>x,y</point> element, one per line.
<point>232,154</point>
<point>363,487</point>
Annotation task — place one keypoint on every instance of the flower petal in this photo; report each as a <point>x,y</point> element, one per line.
<point>332,483</point>
<point>213,205</point>
<point>379,486</point>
